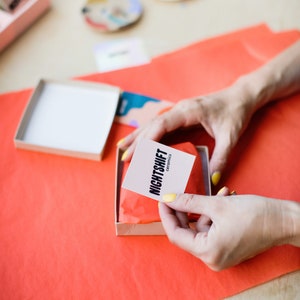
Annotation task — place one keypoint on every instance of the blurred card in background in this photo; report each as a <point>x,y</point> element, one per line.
<point>119,54</point>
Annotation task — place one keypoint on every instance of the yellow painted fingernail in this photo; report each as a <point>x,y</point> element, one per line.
<point>215,177</point>
<point>168,198</point>
<point>120,142</point>
<point>125,154</point>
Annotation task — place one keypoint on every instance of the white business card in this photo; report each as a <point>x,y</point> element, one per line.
<point>157,169</point>
<point>120,54</point>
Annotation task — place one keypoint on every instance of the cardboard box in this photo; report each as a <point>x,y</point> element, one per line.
<point>154,228</point>
<point>13,23</point>
<point>71,118</point>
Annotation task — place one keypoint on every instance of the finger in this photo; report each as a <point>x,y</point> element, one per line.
<point>134,140</point>
<point>220,155</point>
<point>180,115</point>
<point>224,191</point>
<point>203,224</point>
<point>126,141</point>
<point>154,130</point>
<point>190,203</point>
<point>185,238</point>
<point>180,217</point>
<point>183,219</point>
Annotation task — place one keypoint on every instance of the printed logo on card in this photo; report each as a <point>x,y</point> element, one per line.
<point>157,169</point>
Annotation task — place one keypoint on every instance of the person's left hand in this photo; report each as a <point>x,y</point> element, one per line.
<point>223,114</point>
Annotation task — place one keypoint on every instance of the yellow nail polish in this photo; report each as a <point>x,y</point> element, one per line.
<point>125,154</point>
<point>215,178</point>
<point>120,142</point>
<point>168,198</point>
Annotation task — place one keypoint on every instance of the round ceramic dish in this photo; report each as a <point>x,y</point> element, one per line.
<point>112,15</point>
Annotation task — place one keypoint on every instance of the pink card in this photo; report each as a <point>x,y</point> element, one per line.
<point>157,169</point>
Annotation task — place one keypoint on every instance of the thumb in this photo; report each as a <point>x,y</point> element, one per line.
<point>219,157</point>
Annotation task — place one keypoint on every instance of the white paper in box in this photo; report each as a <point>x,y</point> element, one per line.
<point>71,118</point>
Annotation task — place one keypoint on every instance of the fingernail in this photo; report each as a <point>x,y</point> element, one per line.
<point>222,190</point>
<point>125,154</point>
<point>120,142</point>
<point>168,198</point>
<point>233,193</point>
<point>215,177</point>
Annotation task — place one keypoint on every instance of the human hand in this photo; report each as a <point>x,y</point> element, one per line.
<point>223,114</point>
<point>229,230</point>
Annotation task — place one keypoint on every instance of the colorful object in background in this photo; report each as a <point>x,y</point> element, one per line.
<point>112,15</point>
<point>135,109</point>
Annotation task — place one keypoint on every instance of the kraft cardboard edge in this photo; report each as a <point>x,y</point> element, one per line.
<point>154,228</point>
<point>29,108</point>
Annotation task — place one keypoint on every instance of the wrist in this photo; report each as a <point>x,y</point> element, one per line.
<point>282,222</point>
<point>285,226</point>
<point>260,87</point>
<point>291,212</point>
<point>278,78</point>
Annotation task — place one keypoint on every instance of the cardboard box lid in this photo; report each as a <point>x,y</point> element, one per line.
<point>71,118</point>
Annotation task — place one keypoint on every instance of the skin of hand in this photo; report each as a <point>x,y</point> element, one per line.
<point>231,229</point>
<point>236,228</point>
<point>224,115</point>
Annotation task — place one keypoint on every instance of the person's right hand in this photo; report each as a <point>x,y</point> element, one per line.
<point>230,229</point>
<point>224,115</point>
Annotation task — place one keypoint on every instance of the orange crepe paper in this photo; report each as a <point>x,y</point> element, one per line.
<point>135,208</point>
<point>57,228</point>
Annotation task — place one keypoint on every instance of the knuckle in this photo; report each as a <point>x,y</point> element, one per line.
<point>214,261</point>
<point>214,256</point>
<point>187,201</point>
<point>160,122</point>
<point>172,237</point>
<point>190,104</point>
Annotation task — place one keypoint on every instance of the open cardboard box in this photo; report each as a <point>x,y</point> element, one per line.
<point>74,117</point>
<point>154,228</point>
<point>71,118</point>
